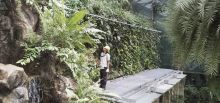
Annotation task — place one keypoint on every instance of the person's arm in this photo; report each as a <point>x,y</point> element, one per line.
<point>97,61</point>
<point>108,61</point>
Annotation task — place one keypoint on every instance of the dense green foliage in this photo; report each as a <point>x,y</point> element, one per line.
<point>193,26</point>
<point>66,38</point>
<point>133,49</point>
<point>198,95</point>
<point>215,88</point>
<point>65,27</point>
<point>202,91</point>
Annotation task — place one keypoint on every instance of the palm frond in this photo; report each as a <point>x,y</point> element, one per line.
<point>194,30</point>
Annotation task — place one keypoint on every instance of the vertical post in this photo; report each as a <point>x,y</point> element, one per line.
<point>153,6</point>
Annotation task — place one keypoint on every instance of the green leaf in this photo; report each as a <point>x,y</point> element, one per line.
<point>76,19</point>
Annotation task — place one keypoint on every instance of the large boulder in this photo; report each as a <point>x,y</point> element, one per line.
<point>13,82</point>
<point>11,76</point>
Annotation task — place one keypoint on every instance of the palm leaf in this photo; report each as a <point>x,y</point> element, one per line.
<point>194,30</point>
<point>76,19</point>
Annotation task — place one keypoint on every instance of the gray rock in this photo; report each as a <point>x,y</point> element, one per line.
<point>18,95</point>
<point>11,77</point>
<point>5,23</point>
<point>12,84</point>
<point>65,88</point>
<point>17,78</point>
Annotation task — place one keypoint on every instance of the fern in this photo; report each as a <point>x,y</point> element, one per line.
<point>31,53</point>
<point>59,33</point>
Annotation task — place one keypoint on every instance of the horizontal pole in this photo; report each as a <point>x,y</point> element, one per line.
<point>132,25</point>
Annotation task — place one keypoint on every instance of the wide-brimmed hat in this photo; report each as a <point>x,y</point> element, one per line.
<point>107,48</point>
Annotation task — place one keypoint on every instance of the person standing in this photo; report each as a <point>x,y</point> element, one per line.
<point>104,64</point>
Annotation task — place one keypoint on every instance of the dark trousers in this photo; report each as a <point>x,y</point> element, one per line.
<point>103,77</point>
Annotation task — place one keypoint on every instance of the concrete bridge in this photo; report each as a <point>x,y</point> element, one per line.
<point>150,86</point>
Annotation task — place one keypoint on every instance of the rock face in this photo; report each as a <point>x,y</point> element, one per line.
<point>16,20</point>
<point>13,84</point>
<point>43,90</point>
<point>64,88</point>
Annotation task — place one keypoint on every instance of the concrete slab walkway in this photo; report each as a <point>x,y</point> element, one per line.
<point>144,87</point>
